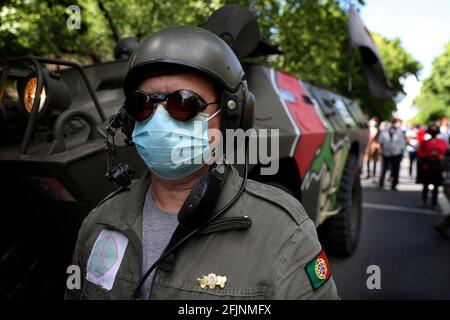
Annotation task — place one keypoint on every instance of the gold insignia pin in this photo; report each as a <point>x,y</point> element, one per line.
<point>212,280</point>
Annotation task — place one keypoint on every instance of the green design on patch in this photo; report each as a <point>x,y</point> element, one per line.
<point>104,256</point>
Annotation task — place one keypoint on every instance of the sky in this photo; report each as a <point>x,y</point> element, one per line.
<point>423,27</point>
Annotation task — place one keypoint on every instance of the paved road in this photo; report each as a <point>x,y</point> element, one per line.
<point>397,235</point>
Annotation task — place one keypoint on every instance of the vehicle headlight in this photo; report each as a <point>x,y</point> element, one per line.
<point>29,94</point>
<point>54,97</point>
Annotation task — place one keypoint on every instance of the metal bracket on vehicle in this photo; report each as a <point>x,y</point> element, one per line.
<point>58,130</point>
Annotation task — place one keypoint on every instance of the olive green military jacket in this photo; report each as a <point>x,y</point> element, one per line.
<point>264,245</point>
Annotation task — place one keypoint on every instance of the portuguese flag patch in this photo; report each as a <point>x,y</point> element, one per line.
<point>318,270</point>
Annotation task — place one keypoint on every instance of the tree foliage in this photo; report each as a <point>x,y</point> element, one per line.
<point>311,33</point>
<point>398,65</point>
<point>434,99</point>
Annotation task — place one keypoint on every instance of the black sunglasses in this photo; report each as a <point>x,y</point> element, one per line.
<point>182,104</point>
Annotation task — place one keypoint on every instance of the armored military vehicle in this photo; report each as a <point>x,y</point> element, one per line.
<point>53,157</point>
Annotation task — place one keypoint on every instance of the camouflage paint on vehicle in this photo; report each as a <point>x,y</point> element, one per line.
<point>320,153</point>
<point>330,160</point>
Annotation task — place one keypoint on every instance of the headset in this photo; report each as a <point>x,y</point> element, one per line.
<point>238,110</point>
<point>120,173</point>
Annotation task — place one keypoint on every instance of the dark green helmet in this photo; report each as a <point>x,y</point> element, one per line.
<point>184,46</point>
<point>193,48</point>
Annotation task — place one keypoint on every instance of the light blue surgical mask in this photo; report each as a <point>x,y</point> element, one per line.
<point>173,149</point>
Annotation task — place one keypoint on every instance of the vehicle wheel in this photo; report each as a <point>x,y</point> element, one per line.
<point>340,233</point>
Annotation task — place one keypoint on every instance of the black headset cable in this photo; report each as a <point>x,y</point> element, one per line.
<point>136,294</point>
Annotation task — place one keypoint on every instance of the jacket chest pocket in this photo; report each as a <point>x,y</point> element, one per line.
<point>92,291</point>
<point>123,288</point>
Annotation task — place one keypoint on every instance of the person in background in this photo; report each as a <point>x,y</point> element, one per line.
<point>444,132</point>
<point>400,124</point>
<point>392,142</point>
<point>412,145</point>
<point>443,227</point>
<point>431,153</point>
<point>421,135</point>
<point>373,148</point>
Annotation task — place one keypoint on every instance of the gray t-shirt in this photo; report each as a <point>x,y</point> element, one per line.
<point>392,141</point>
<point>157,229</point>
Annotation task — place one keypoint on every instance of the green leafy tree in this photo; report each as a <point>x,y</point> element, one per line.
<point>434,99</point>
<point>398,65</point>
<point>39,27</point>
<point>312,35</point>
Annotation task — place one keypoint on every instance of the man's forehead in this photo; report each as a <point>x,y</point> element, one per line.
<point>173,81</point>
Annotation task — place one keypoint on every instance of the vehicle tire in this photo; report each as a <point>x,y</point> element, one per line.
<point>340,234</point>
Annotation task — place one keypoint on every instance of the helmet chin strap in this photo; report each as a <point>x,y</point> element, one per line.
<point>213,115</point>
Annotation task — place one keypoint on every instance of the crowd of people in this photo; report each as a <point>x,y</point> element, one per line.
<point>427,148</point>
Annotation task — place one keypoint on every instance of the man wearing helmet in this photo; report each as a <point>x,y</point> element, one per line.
<point>192,229</point>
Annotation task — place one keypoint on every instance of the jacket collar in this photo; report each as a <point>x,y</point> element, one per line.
<point>129,217</point>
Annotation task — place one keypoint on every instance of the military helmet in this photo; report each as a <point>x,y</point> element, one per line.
<point>125,47</point>
<point>197,49</point>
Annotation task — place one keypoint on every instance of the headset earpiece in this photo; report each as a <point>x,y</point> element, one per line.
<point>230,116</point>
<point>238,108</point>
<point>127,125</point>
<point>248,109</point>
